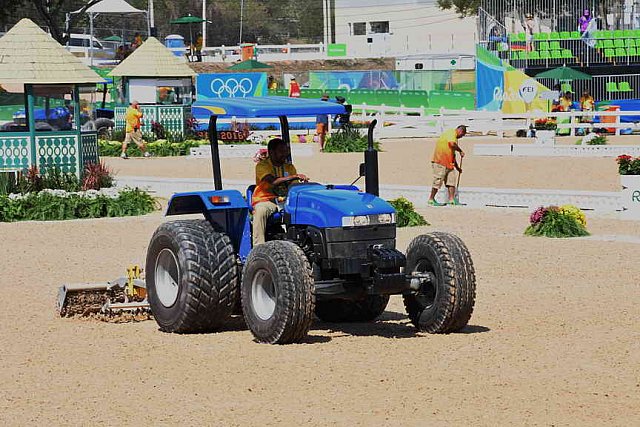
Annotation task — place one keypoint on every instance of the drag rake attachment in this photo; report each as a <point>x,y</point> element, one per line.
<point>117,301</point>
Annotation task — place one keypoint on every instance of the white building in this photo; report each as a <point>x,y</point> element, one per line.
<point>376,28</point>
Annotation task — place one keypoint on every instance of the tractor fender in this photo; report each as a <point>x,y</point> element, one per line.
<point>226,210</point>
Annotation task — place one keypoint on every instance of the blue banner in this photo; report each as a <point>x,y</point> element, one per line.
<point>489,86</point>
<point>230,85</point>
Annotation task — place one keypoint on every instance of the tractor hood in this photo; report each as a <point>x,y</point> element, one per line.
<point>325,206</point>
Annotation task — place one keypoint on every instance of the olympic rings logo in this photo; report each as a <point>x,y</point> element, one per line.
<point>231,88</point>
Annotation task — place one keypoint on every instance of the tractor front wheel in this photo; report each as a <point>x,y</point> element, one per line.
<point>445,304</point>
<point>278,293</point>
<point>192,277</point>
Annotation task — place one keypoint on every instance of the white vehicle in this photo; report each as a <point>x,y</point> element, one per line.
<point>79,44</point>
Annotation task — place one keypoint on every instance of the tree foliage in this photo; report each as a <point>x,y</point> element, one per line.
<point>264,21</point>
<point>462,7</point>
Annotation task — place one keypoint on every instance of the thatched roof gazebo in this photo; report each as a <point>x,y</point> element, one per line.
<point>43,129</point>
<point>161,82</point>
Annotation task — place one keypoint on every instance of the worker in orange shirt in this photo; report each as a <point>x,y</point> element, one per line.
<point>274,174</point>
<point>444,162</point>
<point>133,119</point>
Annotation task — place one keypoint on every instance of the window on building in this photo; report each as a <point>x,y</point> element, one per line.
<point>359,28</point>
<point>380,27</point>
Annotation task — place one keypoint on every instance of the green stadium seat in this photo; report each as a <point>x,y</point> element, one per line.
<point>554,46</point>
<point>522,55</point>
<point>629,43</point>
<point>575,35</point>
<point>620,51</point>
<point>538,36</point>
<point>543,46</point>
<point>624,87</point>
<point>564,35</point>
<point>636,42</point>
<point>618,34</point>
<point>554,35</point>
<point>534,55</point>
<point>543,36</point>
<point>522,37</point>
<point>612,87</point>
<point>618,43</point>
<point>567,54</point>
<point>545,54</point>
<point>598,34</point>
<point>388,97</point>
<point>566,87</point>
<point>609,53</point>
<point>513,38</point>
<point>556,54</point>
<point>636,33</point>
<point>600,44</point>
<point>513,55</point>
<point>608,34</point>
<point>608,44</point>
<point>627,33</point>
<point>632,51</point>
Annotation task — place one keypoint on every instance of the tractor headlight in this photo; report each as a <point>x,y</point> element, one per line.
<point>364,220</point>
<point>386,218</point>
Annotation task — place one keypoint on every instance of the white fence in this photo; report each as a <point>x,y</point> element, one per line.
<point>408,122</point>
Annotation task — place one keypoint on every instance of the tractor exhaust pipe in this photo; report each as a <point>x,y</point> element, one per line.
<point>372,185</point>
<point>212,132</point>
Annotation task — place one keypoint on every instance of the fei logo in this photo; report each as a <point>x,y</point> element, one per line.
<point>528,90</point>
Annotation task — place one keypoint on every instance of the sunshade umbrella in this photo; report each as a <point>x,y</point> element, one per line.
<point>249,64</point>
<point>189,19</point>
<point>113,39</point>
<point>564,73</point>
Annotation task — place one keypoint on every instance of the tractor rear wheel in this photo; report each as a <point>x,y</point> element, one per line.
<point>444,305</point>
<point>192,277</point>
<point>278,293</point>
<point>365,310</point>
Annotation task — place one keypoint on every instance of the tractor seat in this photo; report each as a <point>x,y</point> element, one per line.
<point>275,218</point>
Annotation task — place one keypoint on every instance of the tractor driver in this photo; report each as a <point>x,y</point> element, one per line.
<point>274,174</point>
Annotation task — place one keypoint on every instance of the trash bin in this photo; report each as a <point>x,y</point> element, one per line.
<point>247,51</point>
<point>609,119</point>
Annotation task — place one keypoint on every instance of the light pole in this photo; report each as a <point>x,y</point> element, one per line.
<point>241,16</point>
<point>152,21</point>
<point>204,24</point>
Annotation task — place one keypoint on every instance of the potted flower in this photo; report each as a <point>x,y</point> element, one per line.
<point>545,131</point>
<point>629,169</point>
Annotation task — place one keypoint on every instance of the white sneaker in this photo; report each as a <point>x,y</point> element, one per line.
<point>124,156</point>
<point>147,154</point>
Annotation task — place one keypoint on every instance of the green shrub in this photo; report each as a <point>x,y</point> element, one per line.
<point>553,221</point>
<point>406,215</point>
<point>51,205</point>
<point>159,148</point>
<point>348,140</point>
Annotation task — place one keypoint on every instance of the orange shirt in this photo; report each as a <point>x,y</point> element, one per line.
<point>444,154</point>
<point>264,191</point>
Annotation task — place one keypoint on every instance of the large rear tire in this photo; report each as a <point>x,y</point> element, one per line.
<point>445,305</point>
<point>278,293</point>
<point>192,277</point>
<point>366,310</point>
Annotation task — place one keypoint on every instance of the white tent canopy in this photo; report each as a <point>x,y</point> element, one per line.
<point>109,6</point>
<point>112,6</point>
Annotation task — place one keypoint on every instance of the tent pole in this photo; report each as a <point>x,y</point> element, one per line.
<point>91,39</point>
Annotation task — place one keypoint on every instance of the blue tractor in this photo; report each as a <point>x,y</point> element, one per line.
<point>330,252</point>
